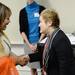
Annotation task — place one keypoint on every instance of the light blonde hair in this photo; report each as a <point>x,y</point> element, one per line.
<point>51,14</point>
<point>4,11</point>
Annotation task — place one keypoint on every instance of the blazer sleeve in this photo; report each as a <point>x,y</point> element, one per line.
<point>38,55</point>
<point>34,57</point>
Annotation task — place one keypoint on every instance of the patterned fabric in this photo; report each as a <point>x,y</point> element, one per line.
<point>45,49</point>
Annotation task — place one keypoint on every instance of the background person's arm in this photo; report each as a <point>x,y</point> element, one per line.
<point>23,22</point>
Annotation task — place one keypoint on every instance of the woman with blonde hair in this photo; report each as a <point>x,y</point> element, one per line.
<point>8,60</point>
<point>57,56</point>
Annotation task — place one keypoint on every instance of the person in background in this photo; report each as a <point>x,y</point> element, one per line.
<point>57,56</point>
<point>30,30</point>
<point>8,60</point>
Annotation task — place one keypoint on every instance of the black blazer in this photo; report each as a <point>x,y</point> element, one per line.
<point>61,60</point>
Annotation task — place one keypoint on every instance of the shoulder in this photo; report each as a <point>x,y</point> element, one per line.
<point>61,35</point>
<point>61,38</point>
<point>23,10</point>
<point>41,8</point>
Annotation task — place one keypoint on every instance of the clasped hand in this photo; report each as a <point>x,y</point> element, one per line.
<point>22,60</point>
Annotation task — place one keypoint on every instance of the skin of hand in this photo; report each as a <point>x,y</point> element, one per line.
<point>35,48</point>
<point>27,58</point>
<point>22,60</point>
<point>19,60</point>
<point>32,47</point>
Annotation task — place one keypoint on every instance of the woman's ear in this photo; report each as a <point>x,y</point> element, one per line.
<point>49,23</point>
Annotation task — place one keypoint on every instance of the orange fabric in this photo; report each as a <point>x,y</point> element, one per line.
<point>7,66</point>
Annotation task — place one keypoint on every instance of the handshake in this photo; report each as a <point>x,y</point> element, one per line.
<point>22,60</point>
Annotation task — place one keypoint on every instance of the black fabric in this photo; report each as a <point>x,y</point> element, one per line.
<point>62,62</point>
<point>23,22</point>
<point>38,55</point>
<point>49,53</point>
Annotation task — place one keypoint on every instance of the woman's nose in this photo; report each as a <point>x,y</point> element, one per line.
<point>39,25</point>
<point>9,21</point>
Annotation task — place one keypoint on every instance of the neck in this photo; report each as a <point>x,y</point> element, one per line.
<point>30,1</point>
<point>50,31</point>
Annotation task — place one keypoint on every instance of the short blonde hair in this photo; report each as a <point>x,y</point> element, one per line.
<point>51,14</point>
<point>4,11</point>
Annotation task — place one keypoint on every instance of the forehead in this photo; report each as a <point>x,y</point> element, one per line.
<point>8,13</point>
<point>41,17</point>
<point>7,16</point>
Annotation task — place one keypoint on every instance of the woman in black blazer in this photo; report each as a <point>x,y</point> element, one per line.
<point>57,55</point>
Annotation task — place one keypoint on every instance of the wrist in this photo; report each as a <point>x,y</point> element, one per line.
<point>28,58</point>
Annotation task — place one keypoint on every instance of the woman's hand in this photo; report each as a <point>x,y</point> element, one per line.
<point>32,47</point>
<point>22,60</point>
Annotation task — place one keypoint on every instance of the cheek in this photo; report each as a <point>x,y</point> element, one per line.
<point>43,28</point>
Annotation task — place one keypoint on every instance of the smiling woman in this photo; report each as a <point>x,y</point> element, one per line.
<point>8,60</point>
<point>4,18</point>
<point>57,55</point>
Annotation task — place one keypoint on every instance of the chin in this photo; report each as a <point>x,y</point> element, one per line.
<point>42,32</point>
<point>4,28</point>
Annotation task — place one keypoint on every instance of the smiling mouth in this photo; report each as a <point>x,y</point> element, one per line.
<point>7,24</point>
